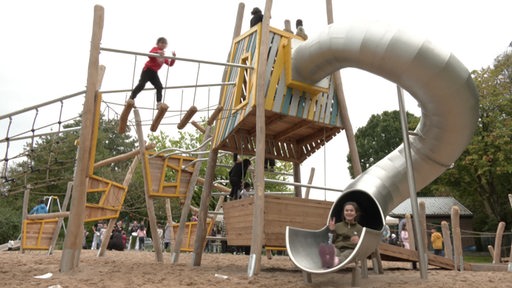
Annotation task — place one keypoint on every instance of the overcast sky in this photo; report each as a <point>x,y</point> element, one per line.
<point>45,52</point>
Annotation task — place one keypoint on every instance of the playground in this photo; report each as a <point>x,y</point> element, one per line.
<point>280,98</point>
<point>138,269</point>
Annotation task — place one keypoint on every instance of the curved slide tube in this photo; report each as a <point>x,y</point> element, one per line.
<point>445,91</point>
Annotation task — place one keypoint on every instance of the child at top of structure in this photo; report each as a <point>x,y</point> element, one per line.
<point>300,29</point>
<point>257,16</point>
<point>150,71</point>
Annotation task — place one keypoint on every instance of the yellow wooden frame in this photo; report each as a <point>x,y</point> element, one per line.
<point>38,245</point>
<point>167,165</point>
<point>189,243</point>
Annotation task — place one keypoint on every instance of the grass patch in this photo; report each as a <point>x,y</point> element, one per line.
<point>477,259</point>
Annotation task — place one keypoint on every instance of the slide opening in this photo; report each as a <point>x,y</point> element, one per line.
<point>369,211</point>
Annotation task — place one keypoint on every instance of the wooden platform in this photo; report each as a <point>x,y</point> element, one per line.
<point>280,211</point>
<point>300,117</point>
<point>390,252</point>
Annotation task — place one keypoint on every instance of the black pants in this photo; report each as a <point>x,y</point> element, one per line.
<point>148,75</point>
<point>236,185</point>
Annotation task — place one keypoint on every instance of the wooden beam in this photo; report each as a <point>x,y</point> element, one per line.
<point>310,180</point>
<point>203,212</point>
<point>122,157</point>
<point>457,242</point>
<point>24,211</point>
<point>65,204</point>
<point>73,241</point>
<point>448,250</point>
<point>47,216</point>
<point>342,105</point>
<point>147,189</point>
<point>497,243</point>
<point>259,196</point>
<point>296,179</point>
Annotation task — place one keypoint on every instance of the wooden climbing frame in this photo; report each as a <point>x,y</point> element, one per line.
<point>166,175</point>
<point>187,244</point>
<point>38,234</point>
<point>104,199</point>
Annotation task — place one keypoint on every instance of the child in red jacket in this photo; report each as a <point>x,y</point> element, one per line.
<point>150,71</point>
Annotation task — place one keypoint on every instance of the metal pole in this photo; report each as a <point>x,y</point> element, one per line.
<point>302,185</point>
<point>177,58</point>
<point>173,87</point>
<point>412,186</point>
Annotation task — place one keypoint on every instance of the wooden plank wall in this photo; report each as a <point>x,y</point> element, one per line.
<point>187,243</point>
<point>167,177</point>
<point>110,202</point>
<point>37,234</point>
<point>280,211</point>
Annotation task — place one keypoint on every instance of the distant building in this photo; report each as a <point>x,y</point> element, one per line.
<point>438,209</point>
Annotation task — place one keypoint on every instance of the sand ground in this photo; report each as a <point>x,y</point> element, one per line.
<point>140,269</point>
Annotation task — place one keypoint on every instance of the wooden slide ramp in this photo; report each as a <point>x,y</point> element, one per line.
<point>390,252</point>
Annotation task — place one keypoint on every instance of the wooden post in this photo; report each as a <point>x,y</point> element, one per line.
<point>24,213</point>
<point>457,244</point>
<point>510,256</point>
<point>410,231</point>
<point>111,222</point>
<point>65,204</point>
<point>288,26</point>
<point>497,243</point>
<point>203,210</point>
<point>168,211</point>
<point>149,201</point>
<point>310,181</point>
<point>345,119</point>
<point>423,222</point>
<point>448,251</point>
<point>73,240</point>
<point>186,206</point>
<point>491,251</point>
<point>259,195</point>
<point>296,179</point>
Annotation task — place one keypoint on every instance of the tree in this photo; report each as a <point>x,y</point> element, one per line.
<point>381,135</point>
<point>482,176</point>
<point>49,166</point>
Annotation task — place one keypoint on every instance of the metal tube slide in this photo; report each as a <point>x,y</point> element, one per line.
<point>448,99</point>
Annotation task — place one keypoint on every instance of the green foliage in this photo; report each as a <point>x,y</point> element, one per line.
<point>49,166</point>
<point>482,176</point>
<point>381,135</point>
